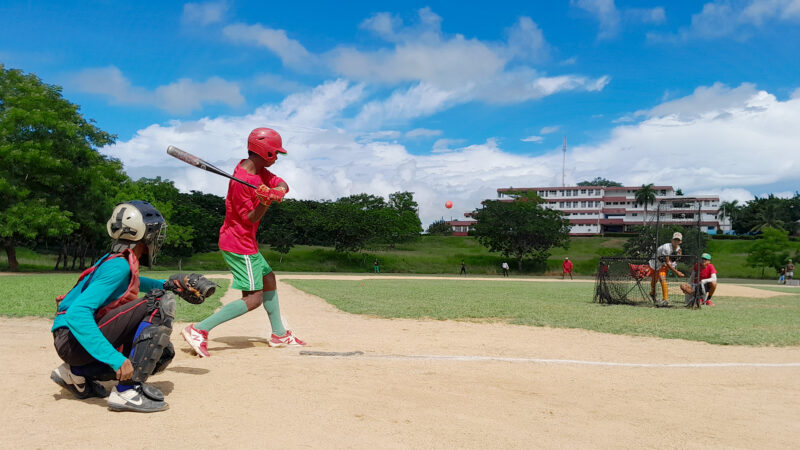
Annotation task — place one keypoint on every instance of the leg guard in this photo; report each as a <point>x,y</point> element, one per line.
<point>148,349</point>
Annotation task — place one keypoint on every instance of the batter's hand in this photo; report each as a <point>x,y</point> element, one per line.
<point>125,371</point>
<point>277,194</point>
<point>264,193</point>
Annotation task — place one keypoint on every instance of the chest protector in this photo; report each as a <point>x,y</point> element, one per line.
<point>130,294</point>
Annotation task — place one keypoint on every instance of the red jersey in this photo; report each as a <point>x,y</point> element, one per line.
<point>705,272</point>
<point>238,234</point>
<point>567,265</point>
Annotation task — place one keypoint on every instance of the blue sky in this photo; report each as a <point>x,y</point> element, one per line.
<point>447,99</point>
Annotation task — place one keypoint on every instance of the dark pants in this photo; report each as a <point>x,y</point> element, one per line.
<point>505,272</point>
<point>118,326</point>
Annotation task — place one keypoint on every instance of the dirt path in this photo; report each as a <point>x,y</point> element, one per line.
<point>638,392</point>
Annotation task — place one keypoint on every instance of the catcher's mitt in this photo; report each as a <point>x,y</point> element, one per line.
<point>194,288</point>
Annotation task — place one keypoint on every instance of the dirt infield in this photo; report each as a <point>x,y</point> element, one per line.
<point>418,384</point>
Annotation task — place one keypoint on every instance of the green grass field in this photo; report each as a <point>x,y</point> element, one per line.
<point>34,295</point>
<point>735,321</point>
<point>438,255</point>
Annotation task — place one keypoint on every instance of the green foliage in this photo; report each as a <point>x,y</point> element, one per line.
<point>769,251</point>
<point>644,242</point>
<point>349,224</point>
<point>770,211</point>
<point>600,181</point>
<point>734,321</point>
<point>645,195</point>
<point>521,228</point>
<point>440,228</point>
<point>49,154</point>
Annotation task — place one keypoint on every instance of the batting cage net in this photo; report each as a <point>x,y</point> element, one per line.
<point>624,280</point>
<point>643,275</point>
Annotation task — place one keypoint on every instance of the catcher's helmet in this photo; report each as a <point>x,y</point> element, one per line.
<point>266,143</point>
<point>137,221</point>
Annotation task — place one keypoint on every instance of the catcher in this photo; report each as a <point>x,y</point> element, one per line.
<point>703,283</point>
<point>104,331</point>
<point>244,209</point>
<point>662,264</point>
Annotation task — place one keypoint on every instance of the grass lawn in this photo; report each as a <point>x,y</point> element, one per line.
<point>436,255</point>
<point>34,295</point>
<point>735,321</point>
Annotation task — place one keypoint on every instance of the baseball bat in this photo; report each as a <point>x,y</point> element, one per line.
<point>190,159</point>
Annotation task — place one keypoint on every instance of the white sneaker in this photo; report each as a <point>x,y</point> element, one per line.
<point>134,400</point>
<point>79,386</point>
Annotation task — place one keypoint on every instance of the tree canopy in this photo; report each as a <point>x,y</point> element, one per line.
<point>600,181</point>
<point>48,150</point>
<point>769,251</point>
<point>521,228</point>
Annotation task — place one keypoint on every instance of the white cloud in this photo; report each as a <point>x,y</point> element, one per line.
<point>548,130</point>
<point>537,139</point>
<point>717,138</point>
<point>723,18</point>
<point>422,133</point>
<point>606,13</point>
<point>290,51</point>
<point>728,141</point>
<point>276,83</point>
<point>180,97</point>
<point>526,41</point>
<point>204,13</point>
<point>646,15</point>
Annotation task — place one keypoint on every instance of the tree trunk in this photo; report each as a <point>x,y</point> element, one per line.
<point>83,254</point>
<point>519,264</point>
<point>11,251</point>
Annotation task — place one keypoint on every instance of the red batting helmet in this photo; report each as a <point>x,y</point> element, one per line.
<point>266,143</point>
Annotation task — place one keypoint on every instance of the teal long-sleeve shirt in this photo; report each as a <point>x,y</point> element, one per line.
<point>109,281</point>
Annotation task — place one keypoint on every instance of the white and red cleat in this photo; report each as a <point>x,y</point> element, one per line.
<point>197,339</point>
<point>285,340</point>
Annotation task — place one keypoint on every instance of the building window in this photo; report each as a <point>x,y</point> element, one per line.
<point>583,204</point>
<point>560,204</point>
<point>583,191</point>
<point>634,214</point>
<point>663,192</point>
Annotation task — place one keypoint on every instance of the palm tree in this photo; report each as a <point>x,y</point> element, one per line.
<point>644,196</point>
<point>768,216</point>
<point>730,210</point>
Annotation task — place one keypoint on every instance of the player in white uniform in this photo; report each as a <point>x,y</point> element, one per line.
<point>662,264</point>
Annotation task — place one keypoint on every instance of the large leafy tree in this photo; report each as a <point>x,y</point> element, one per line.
<point>645,195</point>
<point>169,201</point>
<point>51,174</point>
<point>521,228</point>
<point>440,227</point>
<point>600,181</point>
<point>770,250</point>
<point>770,211</point>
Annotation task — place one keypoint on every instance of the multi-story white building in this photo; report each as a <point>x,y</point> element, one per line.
<point>594,210</point>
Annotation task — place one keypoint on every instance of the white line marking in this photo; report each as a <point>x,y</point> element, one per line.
<point>562,361</point>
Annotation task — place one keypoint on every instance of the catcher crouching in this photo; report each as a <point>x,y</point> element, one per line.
<point>104,331</point>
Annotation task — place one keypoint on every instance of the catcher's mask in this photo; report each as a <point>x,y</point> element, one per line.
<point>137,221</point>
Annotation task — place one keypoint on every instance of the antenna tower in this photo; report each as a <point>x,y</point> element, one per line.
<point>564,163</point>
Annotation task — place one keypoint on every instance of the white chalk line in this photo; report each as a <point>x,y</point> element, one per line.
<point>577,362</point>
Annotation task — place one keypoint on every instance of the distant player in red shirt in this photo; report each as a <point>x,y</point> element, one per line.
<point>566,268</point>
<point>244,208</point>
<point>706,277</point>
